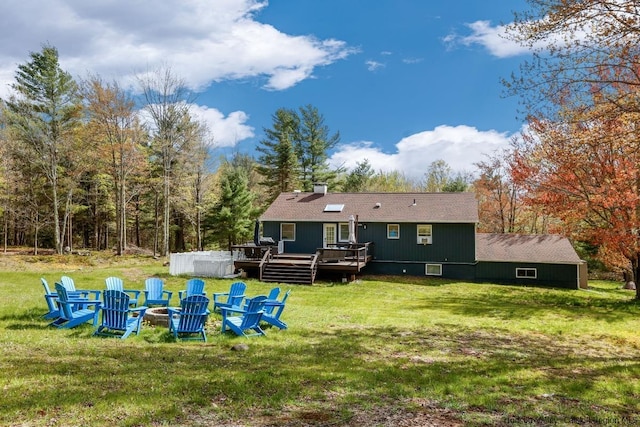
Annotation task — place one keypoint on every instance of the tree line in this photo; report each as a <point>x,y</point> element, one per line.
<point>80,166</point>
<point>87,164</point>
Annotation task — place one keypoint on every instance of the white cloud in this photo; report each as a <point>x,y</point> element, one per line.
<point>490,37</point>
<point>202,40</point>
<point>226,131</point>
<point>459,146</point>
<point>373,65</point>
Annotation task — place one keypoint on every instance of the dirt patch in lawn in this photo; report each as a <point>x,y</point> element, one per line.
<point>425,415</point>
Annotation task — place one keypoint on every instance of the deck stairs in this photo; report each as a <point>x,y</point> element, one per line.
<point>290,268</point>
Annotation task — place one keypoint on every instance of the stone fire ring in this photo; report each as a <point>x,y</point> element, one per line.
<point>158,316</point>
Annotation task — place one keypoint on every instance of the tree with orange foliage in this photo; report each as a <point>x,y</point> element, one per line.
<point>586,171</point>
<point>581,97</point>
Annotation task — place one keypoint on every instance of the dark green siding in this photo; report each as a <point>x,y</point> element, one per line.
<point>452,243</point>
<point>453,247</point>
<point>308,236</point>
<point>450,271</point>
<point>556,275</point>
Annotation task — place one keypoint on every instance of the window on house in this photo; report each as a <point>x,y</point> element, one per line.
<point>288,231</point>
<point>526,273</point>
<point>343,232</point>
<point>393,231</point>
<point>433,269</point>
<point>424,234</point>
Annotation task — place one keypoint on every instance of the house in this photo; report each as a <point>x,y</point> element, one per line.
<point>529,259</point>
<point>432,234</point>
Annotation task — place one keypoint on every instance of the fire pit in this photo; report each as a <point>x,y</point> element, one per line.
<point>158,316</point>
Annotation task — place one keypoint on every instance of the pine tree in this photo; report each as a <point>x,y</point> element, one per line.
<point>231,219</point>
<point>42,115</point>
<point>356,181</point>
<point>278,163</point>
<point>312,148</point>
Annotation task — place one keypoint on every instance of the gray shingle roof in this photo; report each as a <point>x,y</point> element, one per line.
<point>543,248</point>
<point>375,207</point>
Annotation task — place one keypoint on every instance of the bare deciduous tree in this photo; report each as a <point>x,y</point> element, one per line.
<point>167,102</point>
<point>119,137</point>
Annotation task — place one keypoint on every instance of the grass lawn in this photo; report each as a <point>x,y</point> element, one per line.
<point>376,352</point>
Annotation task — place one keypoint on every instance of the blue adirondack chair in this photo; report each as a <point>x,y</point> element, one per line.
<point>273,294</point>
<point>188,321</point>
<point>154,293</point>
<point>70,316</point>
<point>273,310</point>
<point>70,286</point>
<point>116,284</point>
<point>51,298</point>
<point>195,286</point>
<point>118,318</point>
<point>233,298</point>
<point>244,319</point>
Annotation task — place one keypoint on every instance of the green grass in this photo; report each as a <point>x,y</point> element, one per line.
<point>380,351</point>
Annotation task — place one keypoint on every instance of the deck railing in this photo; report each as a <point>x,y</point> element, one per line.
<point>355,252</point>
<point>264,261</point>
<point>253,251</point>
<point>314,267</point>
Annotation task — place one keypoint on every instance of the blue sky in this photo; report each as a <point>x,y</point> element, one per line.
<point>405,82</point>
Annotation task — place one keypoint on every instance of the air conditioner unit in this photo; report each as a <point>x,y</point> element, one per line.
<point>424,240</point>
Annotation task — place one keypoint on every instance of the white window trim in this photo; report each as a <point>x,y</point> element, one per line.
<point>388,234</point>
<point>343,238</point>
<point>421,237</point>
<point>521,273</point>
<point>426,269</point>
<point>294,231</point>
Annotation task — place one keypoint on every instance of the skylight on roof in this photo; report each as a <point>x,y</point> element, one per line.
<point>334,208</point>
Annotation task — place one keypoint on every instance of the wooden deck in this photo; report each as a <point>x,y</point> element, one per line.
<point>266,264</point>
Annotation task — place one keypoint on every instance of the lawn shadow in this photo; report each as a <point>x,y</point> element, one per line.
<point>26,326</point>
<point>29,314</point>
<point>340,369</point>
